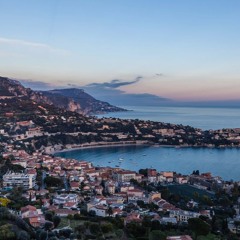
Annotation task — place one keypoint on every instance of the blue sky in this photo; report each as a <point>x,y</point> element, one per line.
<point>183,50</point>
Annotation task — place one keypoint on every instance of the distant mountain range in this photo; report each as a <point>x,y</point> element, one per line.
<point>69,99</point>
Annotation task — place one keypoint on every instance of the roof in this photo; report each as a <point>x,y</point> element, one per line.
<point>28,208</point>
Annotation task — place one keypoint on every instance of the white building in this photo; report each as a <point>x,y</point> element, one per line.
<point>12,179</point>
<point>65,198</point>
<point>125,176</point>
<point>100,210</point>
<point>183,216</point>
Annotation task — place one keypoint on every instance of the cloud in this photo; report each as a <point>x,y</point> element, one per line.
<point>110,92</point>
<point>35,45</point>
<point>115,83</point>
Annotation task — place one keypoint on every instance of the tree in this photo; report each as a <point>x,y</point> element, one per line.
<point>94,228</point>
<point>23,235</point>
<point>53,182</point>
<point>4,202</point>
<point>92,213</point>
<point>198,226</point>
<point>106,227</point>
<point>48,226</point>
<point>6,232</point>
<point>110,211</point>
<point>43,235</point>
<point>56,221</point>
<point>49,216</point>
<point>135,230</point>
<point>143,172</point>
<point>157,235</point>
<point>155,225</point>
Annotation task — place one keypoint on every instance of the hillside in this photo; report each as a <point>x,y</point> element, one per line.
<point>75,100</point>
<point>86,102</point>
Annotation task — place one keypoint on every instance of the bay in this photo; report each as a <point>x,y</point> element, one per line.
<point>200,117</point>
<point>223,162</point>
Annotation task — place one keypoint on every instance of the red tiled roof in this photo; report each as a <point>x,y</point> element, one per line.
<point>28,208</point>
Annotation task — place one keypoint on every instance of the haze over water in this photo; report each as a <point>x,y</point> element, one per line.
<point>200,117</point>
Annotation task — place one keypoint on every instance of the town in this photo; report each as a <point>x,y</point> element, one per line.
<point>89,202</point>
<point>48,197</point>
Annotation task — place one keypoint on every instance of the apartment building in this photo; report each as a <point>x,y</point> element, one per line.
<point>13,179</point>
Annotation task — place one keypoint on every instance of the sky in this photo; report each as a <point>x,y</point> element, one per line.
<point>184,50</point>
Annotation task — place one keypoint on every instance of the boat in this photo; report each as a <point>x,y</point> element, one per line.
<point>121,159</point>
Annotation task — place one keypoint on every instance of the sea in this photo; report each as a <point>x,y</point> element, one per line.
<point>200,117</point>
<point>223,162</point>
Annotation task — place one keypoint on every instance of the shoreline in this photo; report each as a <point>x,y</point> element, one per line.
<point>132,143</point>
<point>102,145</point>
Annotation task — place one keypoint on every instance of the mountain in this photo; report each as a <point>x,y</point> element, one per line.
<point>86,102</point>
<point>11,88</point>
<point>68,99</point>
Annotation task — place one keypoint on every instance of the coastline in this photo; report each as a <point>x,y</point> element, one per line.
<point>103,145</point>
<point>131,143</point>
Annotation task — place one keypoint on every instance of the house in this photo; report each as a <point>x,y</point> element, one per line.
<point>28,211</point>
<point>154,195</point>
<point>34,215</point>
<point>125,176</point>
<point>100,210</point>
<point>183,216</point>
<point>37,221</point>
<point>167,174</point>
<point>125,187</point>
<point>164,205</point>
<point>98,190</point>
<point>98,200</point>
<point>64,198</point>
<point>181,179</point>
<point>135,193</point>
<point>74,186</point>
<point>46,203</point>
<point>151,172</point>
<point>110,188</point>
<point>133,217</point>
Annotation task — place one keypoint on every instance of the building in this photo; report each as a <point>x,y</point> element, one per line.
<point>183,216</point>
<point>100,210</point>
<point>154,195</point>
<point>12,179</point>
<point>65,198</point>
<point>99,190</point>
<point>33,214</point>
<point>151,172</point>
<point>125,176</point>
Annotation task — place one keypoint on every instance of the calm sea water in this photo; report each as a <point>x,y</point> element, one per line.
<point>221,162</point>
<point>200,117</point>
